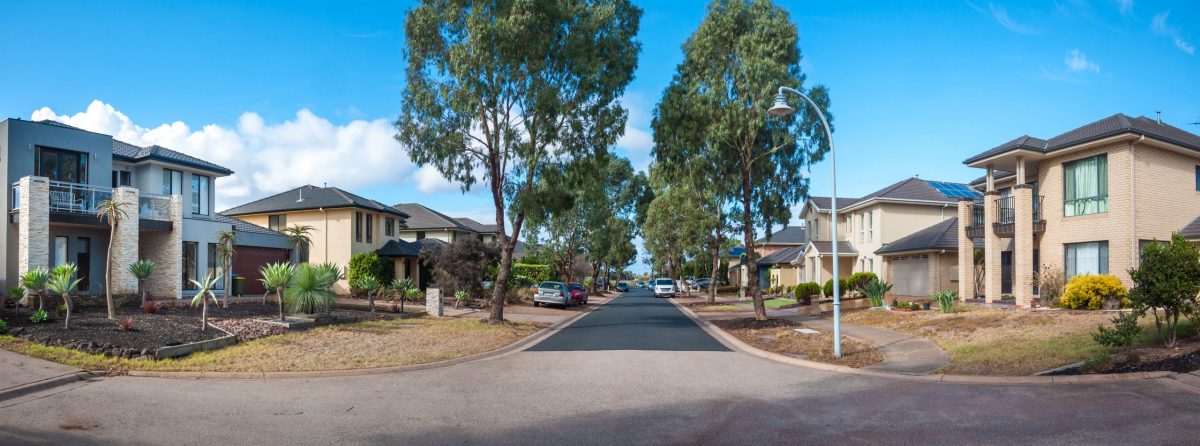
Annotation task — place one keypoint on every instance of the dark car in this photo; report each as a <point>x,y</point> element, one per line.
<point>622,287</point>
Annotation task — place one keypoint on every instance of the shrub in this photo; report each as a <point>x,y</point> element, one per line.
<point>858,280</point>
<point>1166,284</point>
<point>309,290</point>
<point>1050,281</point>
<point>3,326</point>
<point>369,264</point>
<point>875,290</point>
<point>462,265</point>
<point>806,290</point>
<point>1125,330</point>
<point>62,310</point>
<point>460,298</point>
<point>945,300</point>
<point>126,323</point>
<point>829,287</point>
<point>151,307</point>
<point>1093,292</point>
<point>533,272</point>
<point>39,316</point>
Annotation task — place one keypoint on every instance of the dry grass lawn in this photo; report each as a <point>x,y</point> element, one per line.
<point>351,346</point>
<point>777,336</point>
<point>715,308</point>
<point>986,341</point>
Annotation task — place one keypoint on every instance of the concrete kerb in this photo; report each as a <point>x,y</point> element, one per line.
<point>48,383</point>
<point>737,345</point>
<point>509,349</point>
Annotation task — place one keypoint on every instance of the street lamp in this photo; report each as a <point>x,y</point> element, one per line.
<point>781,108</point>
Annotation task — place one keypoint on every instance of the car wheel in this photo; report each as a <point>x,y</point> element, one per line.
<point>537,304</point>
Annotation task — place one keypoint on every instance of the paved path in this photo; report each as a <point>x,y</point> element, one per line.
<point>682,393</point>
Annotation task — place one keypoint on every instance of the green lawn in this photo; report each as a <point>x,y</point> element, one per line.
<point>778,303</point>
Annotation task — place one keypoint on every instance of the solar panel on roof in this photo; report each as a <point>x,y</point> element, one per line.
<point>954,190</point>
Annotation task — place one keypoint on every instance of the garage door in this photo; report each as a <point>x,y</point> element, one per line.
<point>248,260</point>
<point>910,276</point>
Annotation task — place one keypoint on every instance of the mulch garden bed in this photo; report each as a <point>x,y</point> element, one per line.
<point>778,336</point>
<point>1184,358</point>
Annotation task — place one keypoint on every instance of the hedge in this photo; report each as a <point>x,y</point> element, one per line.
<point>858,280</point>
<point>533,273</point>
<point>368,263</point>
<point>841,287</point>
<point>806,290</point>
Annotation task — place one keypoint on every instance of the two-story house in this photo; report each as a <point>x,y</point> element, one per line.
<point>342,224</point>
<point>426,223</point>
<point>777,253</point>
<point>1086,200</point>
<point>57,175</point>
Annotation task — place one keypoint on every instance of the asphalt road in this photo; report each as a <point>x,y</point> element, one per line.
<point>630,389</point>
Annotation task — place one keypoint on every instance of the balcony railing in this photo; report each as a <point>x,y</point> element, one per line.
<point>1006,216</point>
<point>77,198</point>
<point>154,207</point>
<point>975,229</point>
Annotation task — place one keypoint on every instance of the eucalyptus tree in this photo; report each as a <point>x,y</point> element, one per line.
<point>114,212</point>
<point>673,227</point>
<point>503,92</point>
<point>734,62</point>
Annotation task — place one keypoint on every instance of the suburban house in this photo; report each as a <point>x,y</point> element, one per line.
<point>426,223</point>
<point>925,261</point>
<point>775,262</point>
<point>343,224</point>
<point>57,176</point>
<point>1086,201</point>
<point>869,227</point>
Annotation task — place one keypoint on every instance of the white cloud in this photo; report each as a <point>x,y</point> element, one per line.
<point>1077,62</point>
<point>430,181</point>
<point>267,158</point>
<point>637,141</point>
<point>1000,14</point>
<point>1125,6</point>
<point>1160,26</point>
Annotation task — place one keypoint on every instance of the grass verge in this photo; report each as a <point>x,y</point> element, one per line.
<point>351,346</point>
<point>778,336</point>
<point>716,308</point>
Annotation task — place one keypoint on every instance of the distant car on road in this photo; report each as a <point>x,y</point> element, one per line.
<point>554,293</point>
<point>702,283</point>
<point>664,287</point>
<point>641,284</point>
<point>579,294</point>
<point>622,287</point>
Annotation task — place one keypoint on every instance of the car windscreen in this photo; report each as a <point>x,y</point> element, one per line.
<point>575,286</point>
<point>664,282</point>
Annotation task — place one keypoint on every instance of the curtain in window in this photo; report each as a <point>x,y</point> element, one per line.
<point>1086,258</point>
<point>1086,186</point>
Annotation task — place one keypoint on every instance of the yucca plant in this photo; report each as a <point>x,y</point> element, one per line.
<point>400,289</point>
<point>277,277</point>
<point>34,281</point>
<point>205,288</point>
<point>370,285</point>
<point>142,269</point>
<point>875,290</point>
<point>63,282</point>
<point>309,291</point>
<point>945,300</point>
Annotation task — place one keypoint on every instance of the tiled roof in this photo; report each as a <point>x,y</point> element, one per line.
<point>130,152</point>
<point>912,189</point>
<point>477,226</point>
<point>241,226</point>
<point>823,203</point>
<point>311,197</point>
<point>785,255</point>
<point>1110,126</point>
<point>942,235</point>
<point>789,235</point>
<point>422,217</point>
<point>399,248</point>
<point>1192,230</point>
<point>1000,174</point>
<point>826,247</point>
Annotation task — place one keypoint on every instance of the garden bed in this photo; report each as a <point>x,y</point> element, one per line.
<point>1184,358</point>
<point>779,336</point>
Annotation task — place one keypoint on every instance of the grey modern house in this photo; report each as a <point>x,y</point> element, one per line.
<point>56,177</point>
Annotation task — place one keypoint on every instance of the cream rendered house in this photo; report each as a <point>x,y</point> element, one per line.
<point>1087,201</point>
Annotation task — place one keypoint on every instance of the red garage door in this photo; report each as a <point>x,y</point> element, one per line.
<point>247,261</point>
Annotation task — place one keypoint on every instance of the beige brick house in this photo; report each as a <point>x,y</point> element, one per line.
<point>1086,201</point>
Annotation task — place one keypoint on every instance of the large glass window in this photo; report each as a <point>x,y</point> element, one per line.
<point>1085,186</point>
<point>121,178</point>
<point>358,223</point>
<point>213,265</point>
<point>389,226</point>
<point>277,222</point>
<point>60,251</point>
<point>200,186</point>
<point>172,182</point>
<point>370,228</point>
<point>190,264</point>
<point>61,165</point>
<point>1086,258</point>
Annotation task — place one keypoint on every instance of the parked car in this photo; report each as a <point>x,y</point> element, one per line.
<point>579,294</point>
<point>622,287</point>
<point>641,284</point>
<point>664,287</point>
<point>554,293</point>
<point>702,283</point>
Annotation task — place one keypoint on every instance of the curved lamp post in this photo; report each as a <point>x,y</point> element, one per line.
<point>781,108</point>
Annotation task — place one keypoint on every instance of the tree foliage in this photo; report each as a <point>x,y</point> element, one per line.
<point>461,265</point>
<point>1166,284</point>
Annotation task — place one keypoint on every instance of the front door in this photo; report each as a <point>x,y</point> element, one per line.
<point>83,259</point>
<point>1006,272</point>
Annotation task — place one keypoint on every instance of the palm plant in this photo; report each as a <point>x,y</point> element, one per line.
<point>460,297</point>
<point>34,281</point>
<point>63,282</point>
<point>299,237</point>
<point>309,290</point>
<point>205,287</point>
<point>226,249</point>
<point>371,285</point>
<point>114,212</point>
<point>142,269</point>
<point>875,290</point>
<point>401,287</point>
<point>276,277</point>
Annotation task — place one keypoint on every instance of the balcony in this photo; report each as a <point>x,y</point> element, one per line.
<point>1006,216</point>
<point>77,203</point>
<point>975,229</point>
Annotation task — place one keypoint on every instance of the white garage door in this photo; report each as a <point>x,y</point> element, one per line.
<point>910,276</point>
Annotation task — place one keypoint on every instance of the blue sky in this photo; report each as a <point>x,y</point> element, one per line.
<point>285,93</point>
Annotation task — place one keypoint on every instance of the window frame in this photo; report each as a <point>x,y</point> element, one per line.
<point>389,227</point>
<point>358,220</point>
<point>172,182</point>
<point>370,228</point>
<point>1101,199</point>
<point>59,155</point>
<point>195,265</point>
<point>121,178</point>
<point>212,266</point>
<point>201,191</point>
<point>277,222</point>
<point>1071,259</point>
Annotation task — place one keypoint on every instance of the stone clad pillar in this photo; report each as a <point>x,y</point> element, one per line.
<point>966,252</point>
<point>165,249</point>
<point>991,247</point>
<point>125,241</point>
<point>1023,246</point>
<point>433,302</point>
<point>33,224</point>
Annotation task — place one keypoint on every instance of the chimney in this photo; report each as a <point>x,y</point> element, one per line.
<point>1159,113</point>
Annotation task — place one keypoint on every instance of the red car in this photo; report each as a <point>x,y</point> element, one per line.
<point>579,294</point>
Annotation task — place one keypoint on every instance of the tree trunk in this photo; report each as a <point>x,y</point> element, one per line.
<point>142,290</point>
<point>67,320</point>
<point>760,310</point>
<point>279,297</point>
<point>108,269</point>
<point>228,284</point>
<point>712,281</point>
<point>203,313</point>
<point>371,301</point>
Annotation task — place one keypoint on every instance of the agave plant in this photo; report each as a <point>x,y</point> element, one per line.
<point>62,281</point>
<point>400,287</point>
<point>310,291</point>
<point>875,290</point>
<point>34,283</point>
<point>371,285</point>
<point>205,288</point>
<point>277,277</point>
<point>945,300</point>
<point>142,269</point>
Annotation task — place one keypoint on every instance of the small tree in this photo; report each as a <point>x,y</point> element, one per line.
<point>277,277</point>
<point>142,269</point>
<point>1050,282</point>
<point>401,287</point>
<point>462,265</point>
<point>205,288</point>
<point>226,250</point>
<point>63,282</point>
<point>1166,284</point>
<point>299,237</point>
<point>370,285</point>
<point>1124,332</point>
<point>114,212</point>
<point>34,281</point>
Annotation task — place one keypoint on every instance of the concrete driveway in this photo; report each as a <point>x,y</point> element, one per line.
<point>635,371</point>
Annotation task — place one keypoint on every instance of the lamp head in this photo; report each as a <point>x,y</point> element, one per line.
<point>781,107</point>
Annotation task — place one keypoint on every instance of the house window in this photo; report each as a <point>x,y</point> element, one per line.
<point>370,228</point>
<point>1086,258</point>
<point>212,266</point>
<point>358,221</point>
<point>389,226</point>
<point>60,250</point>
<point>190,264</point>
<point>1197,178</point>
<point>200,186</point>
<point>870,265</point>
<point>61,165</point>
<point>1085,186</point>
<point>870,226</point>
<point>121,178</point>
<point>172,182</point>
<point>862,227</point>
<point>420,235</point>
<point>277,222</point>
<point>816,233</point>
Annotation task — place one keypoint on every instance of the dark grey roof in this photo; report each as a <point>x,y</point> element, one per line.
<point>911,189</point>
<point>241,226</point>
<point>422,217</point>
<point>823,203</point>
<point>826,247</point>
<point>785,255</point>
<point>942,235</point>
<point>477,226</point>
<point>1192,230</point>
<point>130,152</point>
<point>313,198</point>
<point>399,248</point>
<point>1110,126</point>
<point>789,235</point>
<point>1000,174</point>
